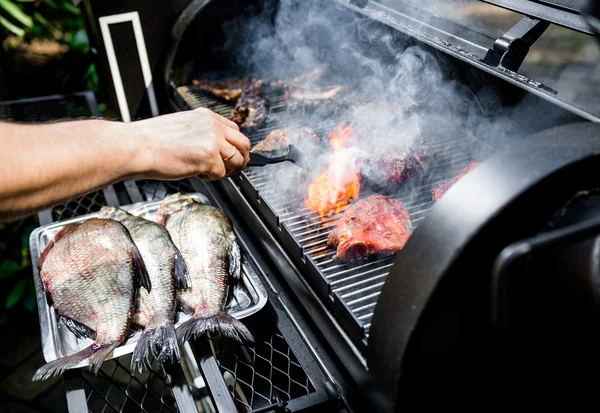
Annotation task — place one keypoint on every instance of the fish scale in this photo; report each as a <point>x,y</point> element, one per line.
<point>205,237</point>
<point>90,271</point>
<point>155,310</point>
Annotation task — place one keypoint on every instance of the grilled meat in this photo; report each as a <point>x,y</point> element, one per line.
<point>205,237</point>
<point>229,90</point>
<point>391,172</point>
<point>279,139</point>
<point>374,226</point>
<point>154,311</point>
<point>444,186</point>
<point>250,112</point>
<point>90,271</point>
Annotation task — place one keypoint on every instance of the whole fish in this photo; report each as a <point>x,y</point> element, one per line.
<point>90,271</point>
<point>154,311</point>
<point>205,237</point>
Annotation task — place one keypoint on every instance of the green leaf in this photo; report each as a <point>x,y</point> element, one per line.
<point>51,4</point>
<point>16,12</point>
<point>15,294</point>
<point>69,7</point>
<point>8,269</point>
<point>17,31</point>
<point>30,301</point>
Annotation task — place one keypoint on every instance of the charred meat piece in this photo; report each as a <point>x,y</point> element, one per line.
<point>278,140</point>
<point>374,226</point>
<point>312,98</point>
<point>250,112</point>
<point>229,90</point>
<point>390,172</point>
<point>423,154</point>
<point>444,186</point>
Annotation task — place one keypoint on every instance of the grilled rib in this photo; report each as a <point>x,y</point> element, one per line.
<point>250,112</point>
<point>374,226</point>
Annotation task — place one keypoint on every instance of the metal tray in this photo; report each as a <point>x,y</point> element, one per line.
<point>248,297</point>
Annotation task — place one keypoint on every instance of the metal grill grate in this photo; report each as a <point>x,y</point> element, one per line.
<point>89,203</point>
<point>114,389</point>
<point>157,190</point>
<point>350,290</point>
<point>262,374</point>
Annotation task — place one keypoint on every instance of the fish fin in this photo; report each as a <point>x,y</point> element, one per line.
<point>235,258</point>
<point>139,267</point>
<point>96,354</point>
<point>100,355</point>
<point>182,275</point>
<point>220,322</point>
<point>80,330</point>
<point>161,342</point>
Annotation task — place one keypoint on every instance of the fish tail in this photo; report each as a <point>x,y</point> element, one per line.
<point>220,322</point>
<point>96,354</point>
<point>161,342</point>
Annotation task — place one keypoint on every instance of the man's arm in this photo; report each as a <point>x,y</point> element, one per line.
<point>45,164</point>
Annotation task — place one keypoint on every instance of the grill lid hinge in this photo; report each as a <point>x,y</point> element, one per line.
<point>510,50</point>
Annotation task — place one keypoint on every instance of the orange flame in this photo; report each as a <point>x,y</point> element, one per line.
<point>336,187</point>
<point>342,137</point>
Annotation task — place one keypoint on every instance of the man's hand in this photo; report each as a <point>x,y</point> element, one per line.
<point>197,142</point>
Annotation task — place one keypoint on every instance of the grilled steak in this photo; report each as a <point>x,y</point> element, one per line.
<point>374,226</point>
<point>391,172</point>
<point>250,112</point>
<point>444,186</point>
<point>229,90</point>
<point>279,139</point>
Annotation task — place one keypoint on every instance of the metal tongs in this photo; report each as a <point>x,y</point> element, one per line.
<point>292,155</point>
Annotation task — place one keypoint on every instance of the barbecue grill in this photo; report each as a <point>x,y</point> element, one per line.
<point>484,283</point>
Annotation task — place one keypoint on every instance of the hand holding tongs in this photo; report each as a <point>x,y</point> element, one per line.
<point>292,155</point>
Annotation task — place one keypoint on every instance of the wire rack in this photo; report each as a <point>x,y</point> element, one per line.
<point>262,374</point>
<point>114,389</point>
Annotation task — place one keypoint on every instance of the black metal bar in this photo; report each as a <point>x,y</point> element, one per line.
<point>45,217</point>
<point>110,196</point>
<point>513,255</point>
<point>133,192</point>
<point>75,393</point>
<point>466,45</point>
<point>213,378</point>
<point>181,390</point>
<point>544,12</point>
<point>511,48</point>
<point>90,98</point>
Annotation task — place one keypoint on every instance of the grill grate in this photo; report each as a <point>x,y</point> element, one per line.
<point>114,389</point>
<point>156,190</point>
<point>262,374</point>
<point>89,203</point>
<point>350,290</point>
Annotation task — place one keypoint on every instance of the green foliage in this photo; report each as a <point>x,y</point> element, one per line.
<point>32,17</point>
<point>17,291</point>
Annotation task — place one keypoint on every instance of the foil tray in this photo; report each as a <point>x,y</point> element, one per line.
<point>248,297</point>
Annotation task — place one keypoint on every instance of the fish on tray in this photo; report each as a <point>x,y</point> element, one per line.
<point>205,237</point>
<point>155,310</point>
<point>90,271</point>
